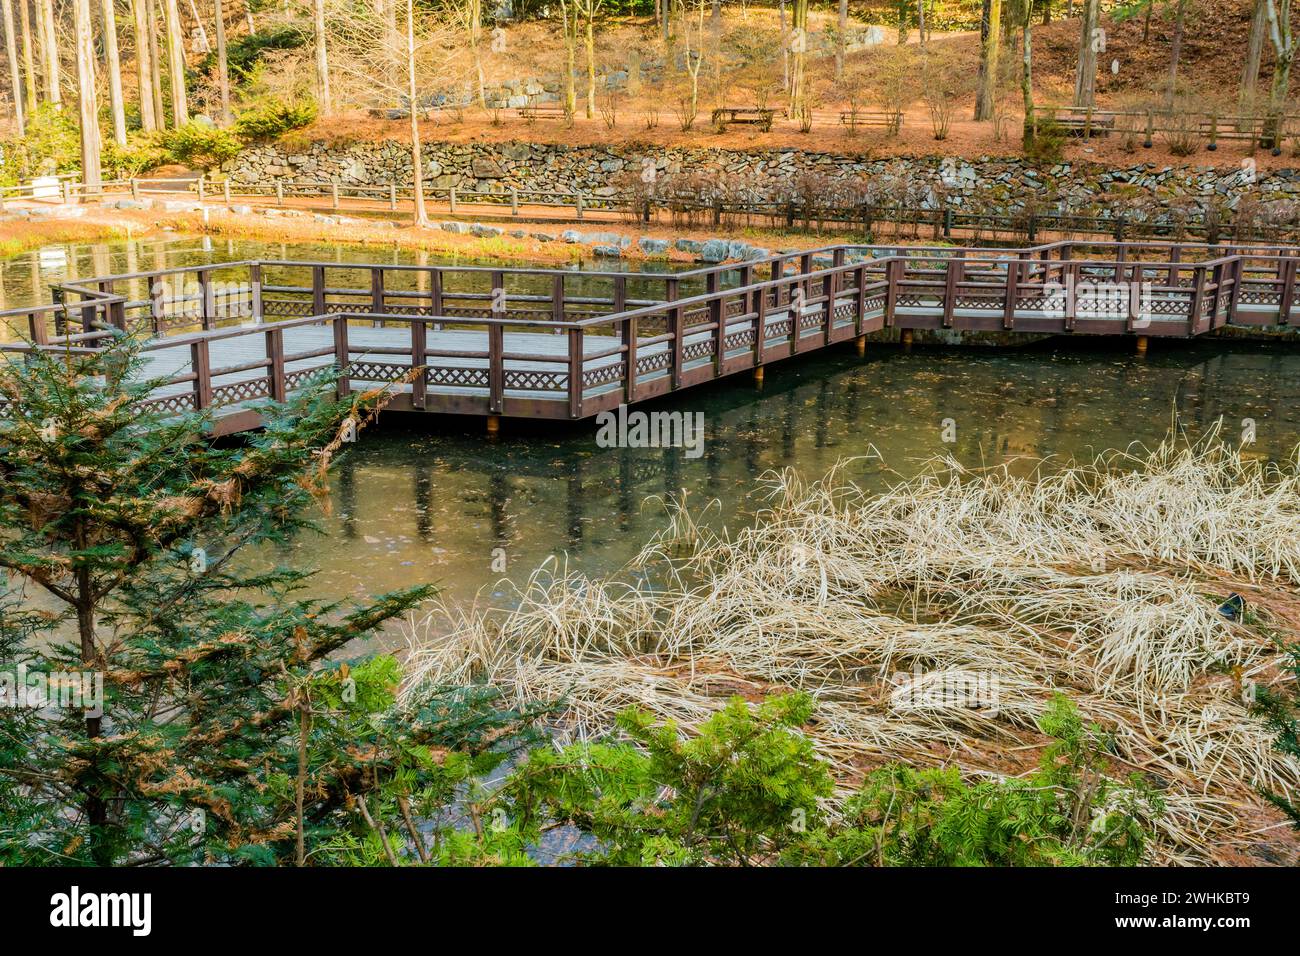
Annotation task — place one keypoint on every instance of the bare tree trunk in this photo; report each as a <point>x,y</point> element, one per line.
<point>474,26</point>
<point>223,67</point>
<point>322,58</point>
<point>155,62</point>
<point>841,37</point>
<point>920,22</point>
<point>785,52</point>
<point>798,46</point>
<point>49,52</point>
<point>29,66</point>
<point>1254,52</point>
<point>15,78</point>
<point>143,68</point>
<point>1085,78</point>
<point>990,35</point>
<point>417,156</point>
<point>1027,76</point>
<point>591,58</point>
<point>715,40</point>
<point>176,63</point>
<point>117,106</point>
<point>87,105</point>
<point>1175,53</point>
<point>569,15</point>
<point>1279,31</point>
<point>248,15</point>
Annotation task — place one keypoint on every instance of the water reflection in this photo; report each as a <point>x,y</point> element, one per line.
<point>423,499</point>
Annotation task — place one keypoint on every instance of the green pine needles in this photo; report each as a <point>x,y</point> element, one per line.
<point>191,712</point>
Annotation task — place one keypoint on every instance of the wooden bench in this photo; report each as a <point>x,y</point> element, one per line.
<point>531,113</point>
<point>890,121</point>
<point>724,116</point>
<point>1080,124</point>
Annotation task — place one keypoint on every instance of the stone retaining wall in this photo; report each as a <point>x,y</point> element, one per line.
<point>1003,184</point>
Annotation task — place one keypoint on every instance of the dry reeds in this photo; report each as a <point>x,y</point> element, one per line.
<point>1100,580</point>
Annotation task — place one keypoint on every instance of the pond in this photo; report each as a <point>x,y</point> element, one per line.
<point>423,498</point>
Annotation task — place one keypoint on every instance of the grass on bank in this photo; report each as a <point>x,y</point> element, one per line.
<point>1100,580</point>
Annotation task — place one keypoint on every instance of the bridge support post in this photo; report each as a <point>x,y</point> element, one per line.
<point>758,376</point>
<point>493,425</point>
<point>906,338</point>
<point>1142,343</point>
<point>861,342</point>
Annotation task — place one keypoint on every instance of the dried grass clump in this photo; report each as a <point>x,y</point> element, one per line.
<point>1098,579</point>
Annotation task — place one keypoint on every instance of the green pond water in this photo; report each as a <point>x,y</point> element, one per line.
<point>424,498</point>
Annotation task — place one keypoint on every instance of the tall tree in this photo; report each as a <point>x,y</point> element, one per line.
<point>1176,52</point>
<point>113,63</point>
<point>990,37</point>
<point>841,37</point>
<point>1027,76</point>
<point>223,67</point>
<point>176,63</point>
<point>798,42</point>
<point>590,9</point>
<point>29,66</point>
<point>15,79</point>
<point>570,24</point>
<point>1284,44</point>
<point>1085,77</point>
<point>1254,53</point>
<point>322,57</point>
<point>150,8</point>
<point>87,103</point>
<point>143,69</point>
<point>49,52</point>
<point>417,157</point>
<point>470,15</point>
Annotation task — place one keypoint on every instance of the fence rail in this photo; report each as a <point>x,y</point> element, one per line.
<point>555,343</point>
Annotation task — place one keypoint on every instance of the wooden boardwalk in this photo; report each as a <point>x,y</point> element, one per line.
<point>556,343</point>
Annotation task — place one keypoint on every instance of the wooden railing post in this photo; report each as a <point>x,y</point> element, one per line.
<point>279,193</point>
<point>575,373</point>
<point>377,307</point>
<point>225,191</point>
<point>342,354</point>
<point>629,333</point>
<point>675,331</point>
<point>514,201</point>
<point>419,359</point>
<point>201,363</point>
<point>1198,297</point>
<point>207,306</point>
<point>497,369</point>
<point>334,194</point>
<point>557,298</point>
<point>1287,277</point>
<point>275,360</point>
<point>318,291</point>
<point>954,274</point>
<point>1012,294</point>
<point>717,319</point>
<point>255,291</point>
<point>894,272</point>
<point>392,197</point>
<point>860,300</point>
<point>451,200</point>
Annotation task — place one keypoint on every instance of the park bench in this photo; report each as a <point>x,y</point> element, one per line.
<point>891,121</point>
<point>541,112</point>
<point>724,116</point>
<point>1081,124</point>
